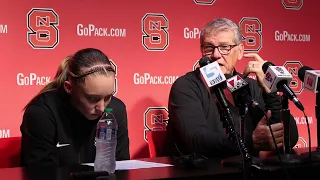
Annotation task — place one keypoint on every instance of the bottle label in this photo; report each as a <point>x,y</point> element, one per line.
<point>106,129</point>
<point>109,134</point>
<point>102,132</point>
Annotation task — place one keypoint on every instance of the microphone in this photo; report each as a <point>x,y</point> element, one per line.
<point>240,91</point>
<point>243,100</point>
<point>310,78</point>
<point>276,78</point>
<point>215,80</point>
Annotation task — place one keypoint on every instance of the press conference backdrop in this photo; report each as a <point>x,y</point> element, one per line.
<point>151,44</point>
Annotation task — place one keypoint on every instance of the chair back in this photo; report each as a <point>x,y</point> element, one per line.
<point>10,152</point>
<point>156,143</point>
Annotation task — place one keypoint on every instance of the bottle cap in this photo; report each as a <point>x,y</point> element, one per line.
<point>108,110</point>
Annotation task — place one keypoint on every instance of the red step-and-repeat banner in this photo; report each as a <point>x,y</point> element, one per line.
<point>151,43</point>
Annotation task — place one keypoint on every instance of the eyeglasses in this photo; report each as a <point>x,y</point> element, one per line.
<point>208,49</point>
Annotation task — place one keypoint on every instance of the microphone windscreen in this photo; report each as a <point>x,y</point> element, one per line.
<point>228,76</point>
<point>302,72</point>
<point>266,65</point>
<point>204,61</point>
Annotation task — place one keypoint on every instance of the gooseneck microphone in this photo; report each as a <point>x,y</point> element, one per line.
<point>243,100</point>
<point>310,79</point>
<point>277,78</point>
<point>215,81</point>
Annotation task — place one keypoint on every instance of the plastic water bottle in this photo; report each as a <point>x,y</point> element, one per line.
<point>106,142</point>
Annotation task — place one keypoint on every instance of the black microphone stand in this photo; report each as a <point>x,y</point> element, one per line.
<point>285,118</point>
<point>315,155</point>
<point>287,158</point>
<point>227,121</point>
<point>317,109</point>
<point>243,110</point>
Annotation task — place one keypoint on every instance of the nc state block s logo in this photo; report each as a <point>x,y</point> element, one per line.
<point>251,29</point>
<point>204,2</point>
<point>301,143</point>
<point>293,67</point>
<point>155,119</point>
<point>43,31</point>
<point>292,4</point>
<point>155,32</point>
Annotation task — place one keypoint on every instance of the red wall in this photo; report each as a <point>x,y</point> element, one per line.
<point>176,23</point>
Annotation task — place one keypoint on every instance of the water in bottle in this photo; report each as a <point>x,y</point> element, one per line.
<point>106,142</point>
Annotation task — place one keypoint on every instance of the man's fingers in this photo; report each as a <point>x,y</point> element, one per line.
<point>279,145</point>
<point>276,127</point>
<point>252,67</point>
<point>279,140</point>
<point>246,72</point>
<point>277,134</point>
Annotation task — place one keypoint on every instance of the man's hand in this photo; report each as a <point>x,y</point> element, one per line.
<point>262,138</point>
<point>256,67</point>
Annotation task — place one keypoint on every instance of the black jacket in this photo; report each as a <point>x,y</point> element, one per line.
<point>194,122</point>
<point>56,134</point>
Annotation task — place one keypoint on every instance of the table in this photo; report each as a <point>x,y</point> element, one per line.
<point>62,173</point>
<point>214,171</point>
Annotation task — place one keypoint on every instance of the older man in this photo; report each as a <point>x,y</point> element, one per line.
<point>194,120</point>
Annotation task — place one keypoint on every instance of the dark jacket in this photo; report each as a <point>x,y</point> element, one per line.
<point>56,134</point>
<point>194,122</point>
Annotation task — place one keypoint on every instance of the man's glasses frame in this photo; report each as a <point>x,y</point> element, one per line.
<point>208,49</point>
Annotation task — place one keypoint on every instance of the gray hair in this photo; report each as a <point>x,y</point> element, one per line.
<point>221,24</point>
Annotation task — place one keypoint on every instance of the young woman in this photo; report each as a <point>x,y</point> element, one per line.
<point>59,123</point>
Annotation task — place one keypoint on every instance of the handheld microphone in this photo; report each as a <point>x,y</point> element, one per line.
<point>310,78</point>
<point>277,78</point>
<point>215,80</point>
<point>211,73</point>
<point>243,100</point>
<point>240,91</point>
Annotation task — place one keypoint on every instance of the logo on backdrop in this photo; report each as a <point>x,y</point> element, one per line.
<point>3,29</point>
<point>301,143</point>
<point>293,67</point>
<point>116,80</point>
<point>155,119</point>
<point>251,29</point>
<point>196,65</point>
<point>4,133</point>
<point>32,79</point>
<point>147,78</point>
<point>292,4</point>
<point>191,33</point>
<point>43,32</point>
<point>94,30</point>
<point>155,32</point>
<point>291,37</point>
<point>204,2</point>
